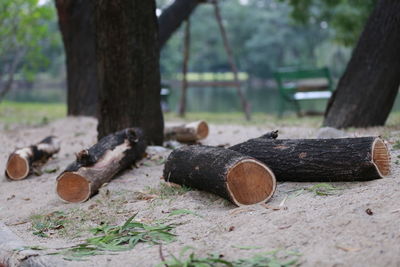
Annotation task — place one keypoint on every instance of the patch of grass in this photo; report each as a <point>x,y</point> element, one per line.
<point>322,189</point>
<point>120,238</point>
<point>396,145</point>
<point>30,113</point>
<point>275,258</point>
<point>167,190</point>
<point>46,225</point>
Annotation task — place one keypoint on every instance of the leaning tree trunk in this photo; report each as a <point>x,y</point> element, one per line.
<point>76,22</point>
<point>22,161</point>
<point>100,163</point>
<point>231,175</point>
<point>128,68</point>
<point>320,160</point>
<point>368,88</point>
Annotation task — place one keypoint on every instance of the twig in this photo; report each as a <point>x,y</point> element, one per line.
<point>162,255</point>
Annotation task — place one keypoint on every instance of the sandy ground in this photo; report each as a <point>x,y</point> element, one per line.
<point>330,230</point>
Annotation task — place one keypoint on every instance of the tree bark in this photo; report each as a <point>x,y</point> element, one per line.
<point>22,161</point>
<point>128,68</point>
<point>100,163</point>
<point>320,160</point>
<point>76,23</point>
<point>231,175</point>
<point>187,133</point>
<point>367,90</point>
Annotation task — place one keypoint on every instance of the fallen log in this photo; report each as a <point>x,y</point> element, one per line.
<point>22,161</point>
<point>187,133</point>
<point>231,175</point>
<point>320,160</point>
<point>99,164</point>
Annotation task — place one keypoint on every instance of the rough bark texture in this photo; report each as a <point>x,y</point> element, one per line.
<point>367,90</point>
<point>100,163</point>
<point>76,22</point>
<point>187,133</point>
<point>128,67</point>
<point>319,160</point>
<point>209,169</point>
<point>22,161</point>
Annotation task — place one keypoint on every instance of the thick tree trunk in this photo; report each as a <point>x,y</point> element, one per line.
<point>100,163</point>
<point>367,90</point>
<point>231,175</point>
<point>320,160</point>
<point>187,133</point>
<point>22,161</point>
<point>76,22</point>
<point>128,68</point>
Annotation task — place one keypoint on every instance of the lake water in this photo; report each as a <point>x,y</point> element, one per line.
<point>226,100</point>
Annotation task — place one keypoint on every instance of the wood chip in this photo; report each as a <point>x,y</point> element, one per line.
<point>240,210</point>
<point>348,249</point>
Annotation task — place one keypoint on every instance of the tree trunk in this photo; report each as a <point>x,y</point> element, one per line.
<point>185,66</point>
<point>231,175</point>
<point>187,133</point>
<point>320,160</point>
<point>128,68</point>
<point>368,88</point>
<point>76,22</point>
<point>100,163</point>
<point>22,161</point>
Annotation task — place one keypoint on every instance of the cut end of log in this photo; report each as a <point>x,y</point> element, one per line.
<point>202,130</point>
<point>72,187</point>
<point>381,157</point>
<point>250,182</point>
<point>17,167</point>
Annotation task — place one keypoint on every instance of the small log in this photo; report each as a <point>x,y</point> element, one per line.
<point>100,163</point>
<point>187,133</point>
<point>321,160</point>
<point>22,161</point>
<point>231,175</point>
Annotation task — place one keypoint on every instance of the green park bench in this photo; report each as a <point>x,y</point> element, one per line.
<point>297,84</point>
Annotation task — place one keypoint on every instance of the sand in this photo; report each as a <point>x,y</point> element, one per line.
<point>332,230</point>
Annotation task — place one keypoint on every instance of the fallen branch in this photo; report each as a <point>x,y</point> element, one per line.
<point>231,175</point>
<point>100,163</point>
<point>22,161</point>
<point>321,160</point>
<point>187,133</point>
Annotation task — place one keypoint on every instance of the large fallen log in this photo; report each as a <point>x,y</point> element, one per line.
<point>22,161</point>
<point>100,163</point>
<point>231,175</point>
<point>187,133</point>
<point>320,160</point>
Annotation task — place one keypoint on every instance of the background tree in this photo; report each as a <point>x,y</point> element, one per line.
<point>128,67</point>
<point>367,90</point>
<point>24,34</point>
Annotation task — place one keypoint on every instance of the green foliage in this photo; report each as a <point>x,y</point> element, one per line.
<point>275,258</point>
<point>166,190</point>
<point>28,30</point>
<point>345,17</point>
<point>322,189</point>
<point>120,238</point>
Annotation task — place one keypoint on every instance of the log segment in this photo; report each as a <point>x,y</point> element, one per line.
<point>231,175</point>
<point>22,161</point>
<point>100,163</point>
<point>187,133</point>
<point>320,160</point>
